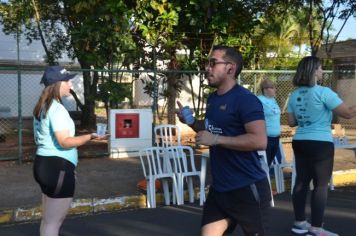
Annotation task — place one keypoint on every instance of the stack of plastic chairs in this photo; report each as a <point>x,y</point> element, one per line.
<point>278,169</point>
<point>167,135</point>
<point>184,168</point>
<point>154,167</point>
<point>264,164</point>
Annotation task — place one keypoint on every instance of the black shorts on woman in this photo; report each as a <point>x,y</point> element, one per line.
<point>55,175</point>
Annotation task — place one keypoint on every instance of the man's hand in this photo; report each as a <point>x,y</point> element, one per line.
<point>206,138</point>
<point>185,114</point>
<point>179,112</point>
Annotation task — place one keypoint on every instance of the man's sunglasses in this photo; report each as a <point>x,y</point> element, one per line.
<point>213,63</point>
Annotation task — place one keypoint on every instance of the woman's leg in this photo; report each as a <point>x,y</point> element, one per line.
<point>322,170</point>
<point>54,211</point>
<point>272,148</point>
<point>303,178</point>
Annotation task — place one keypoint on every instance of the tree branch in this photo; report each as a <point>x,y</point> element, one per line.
<point>43,41</point>
<point>79,103</point>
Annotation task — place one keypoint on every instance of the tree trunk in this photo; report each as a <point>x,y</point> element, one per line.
<point>173,86</point>
<point>171,100</point>
<point>88,119</point>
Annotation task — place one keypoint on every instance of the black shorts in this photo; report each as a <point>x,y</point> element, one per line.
<point>248,206</point>
<point>55,175</point>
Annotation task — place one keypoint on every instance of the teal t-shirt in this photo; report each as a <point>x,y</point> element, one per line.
<point>272,116</point>
<point>312,108</point>
<point>57,119</point>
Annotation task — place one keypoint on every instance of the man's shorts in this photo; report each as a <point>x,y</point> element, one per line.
<point>248,206</point>
<point>55,175</point>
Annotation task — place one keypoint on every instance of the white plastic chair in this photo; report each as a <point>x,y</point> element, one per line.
<point>278,170</point>
<point>167,135</point>
<point>184,168</point>
<point>152,160</point>
<point>265,167</point>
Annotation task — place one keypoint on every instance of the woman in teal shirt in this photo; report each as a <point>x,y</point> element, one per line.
<point>272,114</point>
<point>56,155</point>
<point>310,108</point>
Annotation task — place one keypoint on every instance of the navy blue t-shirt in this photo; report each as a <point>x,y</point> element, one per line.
<point>226,115</point>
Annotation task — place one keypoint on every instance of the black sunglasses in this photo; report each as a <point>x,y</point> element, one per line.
<point>213,63</point>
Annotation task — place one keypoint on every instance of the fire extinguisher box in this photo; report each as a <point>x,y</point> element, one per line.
<point>130,131</point>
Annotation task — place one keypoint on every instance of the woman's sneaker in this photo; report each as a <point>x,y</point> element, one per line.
<point>301,228</point>
<point>320,232</point>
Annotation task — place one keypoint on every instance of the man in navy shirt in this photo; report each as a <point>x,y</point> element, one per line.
<point>234,129</point>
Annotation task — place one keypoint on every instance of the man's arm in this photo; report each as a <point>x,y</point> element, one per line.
<point>254,139</point>
<point>198,125</point>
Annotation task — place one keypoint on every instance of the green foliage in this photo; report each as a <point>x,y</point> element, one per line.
<point>113,93</point>
<point>103,35</point>
<point>156,20</point>
<point>122,33</point>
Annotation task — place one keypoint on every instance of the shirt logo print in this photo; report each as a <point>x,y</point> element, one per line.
<point>223,107</point>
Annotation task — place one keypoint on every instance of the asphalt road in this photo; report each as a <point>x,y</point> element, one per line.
<point>340,217</point>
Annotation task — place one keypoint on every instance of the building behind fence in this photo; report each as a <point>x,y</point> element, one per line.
<point>19,91</point>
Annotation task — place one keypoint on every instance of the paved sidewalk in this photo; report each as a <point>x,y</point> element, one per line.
<point>104,184</point>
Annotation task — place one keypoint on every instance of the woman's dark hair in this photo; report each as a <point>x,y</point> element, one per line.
<point>231,55</point>
<point>305,75</point>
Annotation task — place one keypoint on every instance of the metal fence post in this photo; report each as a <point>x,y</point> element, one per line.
<point>19,101</point>
<point>155,94</point>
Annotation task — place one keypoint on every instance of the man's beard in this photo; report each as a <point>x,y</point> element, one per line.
<point>213,85</point>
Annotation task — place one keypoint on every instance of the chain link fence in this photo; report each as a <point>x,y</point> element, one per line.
<point>8,114</point>
<point>129,89</point>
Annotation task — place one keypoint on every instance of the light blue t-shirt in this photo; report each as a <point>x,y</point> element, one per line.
<point>272,116</point>
<point>312,108</point>
<point>57,119</point>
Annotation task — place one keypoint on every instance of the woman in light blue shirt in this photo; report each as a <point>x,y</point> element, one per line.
<point>310,108</point>
<point>272,117</point>
<point>56,155</point>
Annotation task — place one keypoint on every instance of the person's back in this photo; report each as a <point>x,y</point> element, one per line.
<point>312,107</point>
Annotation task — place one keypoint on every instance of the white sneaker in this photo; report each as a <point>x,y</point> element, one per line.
<point>320,232</point>
<point>301,229</point>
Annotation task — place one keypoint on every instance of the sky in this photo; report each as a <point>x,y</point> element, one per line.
<point>349,30</point>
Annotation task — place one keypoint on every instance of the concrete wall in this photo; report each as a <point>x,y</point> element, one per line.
<point>141,99</point>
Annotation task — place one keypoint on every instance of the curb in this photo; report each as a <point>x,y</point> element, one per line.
<point>344,177</point>
<point>83,206</point>
<point>87,206</point>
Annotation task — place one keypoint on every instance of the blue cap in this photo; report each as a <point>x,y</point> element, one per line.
<point>53,74</point>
